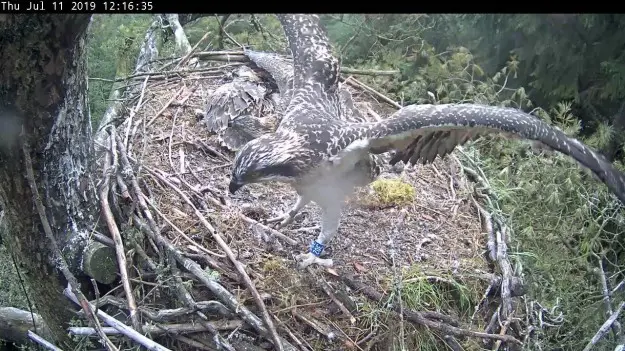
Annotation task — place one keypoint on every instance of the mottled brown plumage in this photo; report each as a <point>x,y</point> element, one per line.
<point>324,155</point>
<point>241,110</point>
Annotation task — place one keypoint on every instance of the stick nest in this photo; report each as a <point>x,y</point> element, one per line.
<point>417,254</point>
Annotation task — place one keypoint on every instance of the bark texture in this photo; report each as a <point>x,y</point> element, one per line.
<point>43,89</point>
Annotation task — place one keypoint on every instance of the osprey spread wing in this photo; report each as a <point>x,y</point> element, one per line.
<point>325,156</point>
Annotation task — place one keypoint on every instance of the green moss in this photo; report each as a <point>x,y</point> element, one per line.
<point>393,191</point>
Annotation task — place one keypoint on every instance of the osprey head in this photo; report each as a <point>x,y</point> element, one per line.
<point>263,159</point>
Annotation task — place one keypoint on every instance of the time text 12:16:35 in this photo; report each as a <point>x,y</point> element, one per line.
<point>90,6</point>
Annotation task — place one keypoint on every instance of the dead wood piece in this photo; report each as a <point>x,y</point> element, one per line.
<point>103,239</point>
<point>607,297</point>
<point>15,324</point>
<point>43,342</point>
<point>213,308</point>
<point>358,84</point>
<point>419,318</point>
<point>186,57</point>
<point>320,327</point>
<point>112,226</point>
<point>122,328</point>
<point>286,328</point>
<point>187,299</point>
<point>179,231</point>
<point>99,262</point>
<point>134,111</point>
<point>159,329</point>
<point>165,106</point>
<point>502,331</point>
<point>239,56</point>
<point>328,290</point>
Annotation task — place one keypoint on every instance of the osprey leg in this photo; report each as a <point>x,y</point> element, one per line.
<point>329,227</point>
<point>288,217</point>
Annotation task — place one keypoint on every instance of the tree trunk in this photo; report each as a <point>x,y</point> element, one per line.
<point>182,42</point>
<point>44,88</point>
<point>147,54</point>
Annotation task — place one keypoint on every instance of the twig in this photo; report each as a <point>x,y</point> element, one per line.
<point>159,329</point>
<point>134,111</point>
<point>117,239</point>
<point>165,106</point>
<point>214,308</point>
<point>368,72</point>
<point>328,290</point>
<point>503,330</point>
<point>186,57</point>
<point>605,327</point>
<point>43,342</point>
<point>194,267</point>
<point>243,217</point>
<point>122,328</point>
<point>239,56</point>
<point>252,221</point>
<point>487,225</point>
<point>316,325</point>
<point>607,297</point>
<point>358,84</point>
<point>418,318</point>
<point>239,267</point>
<point>179,231</point>
<point>289,332</point>
<point>62,265</point>
<point>103,239</point>
<point>227,298</point>
<point>171,137</point>
<point>223,31</point>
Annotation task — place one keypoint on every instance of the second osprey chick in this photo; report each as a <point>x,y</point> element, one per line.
<point>241,110</point>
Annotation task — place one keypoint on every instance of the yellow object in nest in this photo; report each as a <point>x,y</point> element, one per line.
<point>393,191</point>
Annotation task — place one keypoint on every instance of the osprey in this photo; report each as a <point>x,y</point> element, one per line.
<point>325,156</point>
<point>240,111</point>
<point>237,111</point>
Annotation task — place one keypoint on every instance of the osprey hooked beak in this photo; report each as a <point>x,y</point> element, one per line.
<point>234,186</point>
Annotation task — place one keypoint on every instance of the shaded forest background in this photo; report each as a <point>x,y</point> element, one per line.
<point>567,69</point>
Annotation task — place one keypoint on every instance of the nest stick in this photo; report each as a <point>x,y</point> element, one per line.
<point>179,231</point>
<point>221,292</point>
<point>194,268</point>
<point>607,297</point>
<point>186,57</point>
<point>218,204</point>
<point>165,106</point>
<point>239,267</point>
<point>328,290</point>
<point>121,327</point>
<point>419,318</point>
<point>289,332</point>
<point>43,342</point>
<point>185,296</point>
<point>358,84</point>
<point>134,111</point>
<point>117,238</point>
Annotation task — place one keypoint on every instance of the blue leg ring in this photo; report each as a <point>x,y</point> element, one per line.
<point>316,248</point>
